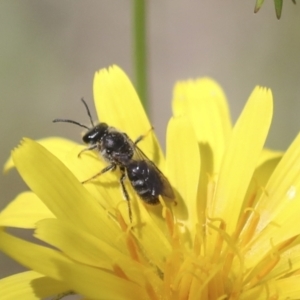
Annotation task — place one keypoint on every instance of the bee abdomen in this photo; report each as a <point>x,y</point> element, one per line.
<point>140,179</point>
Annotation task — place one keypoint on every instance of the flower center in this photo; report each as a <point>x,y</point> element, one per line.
<point>213,266</point>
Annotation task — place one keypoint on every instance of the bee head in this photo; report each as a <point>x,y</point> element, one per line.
<point>95,134</point>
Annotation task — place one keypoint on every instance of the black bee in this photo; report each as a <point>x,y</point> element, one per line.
<point>119,151</point>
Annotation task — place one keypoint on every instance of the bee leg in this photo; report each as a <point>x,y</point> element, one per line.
<point>125,193</point>
<point>111,167</point>
<point>87,149</point>
<point>141,137</point>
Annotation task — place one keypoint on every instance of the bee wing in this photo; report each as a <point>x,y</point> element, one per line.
<point>139,154</point>
<point>166,189</point>
<point>158,178</point>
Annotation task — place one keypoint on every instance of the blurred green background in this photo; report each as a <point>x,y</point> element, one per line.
<point>49,51</point>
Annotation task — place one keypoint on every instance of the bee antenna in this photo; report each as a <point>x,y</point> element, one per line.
<point>88,111</point>
<point>70,121</point>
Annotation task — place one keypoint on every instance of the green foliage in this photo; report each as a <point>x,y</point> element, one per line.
<point>277,3</point>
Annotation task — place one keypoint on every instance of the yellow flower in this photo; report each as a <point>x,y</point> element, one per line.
<point>234,233</point>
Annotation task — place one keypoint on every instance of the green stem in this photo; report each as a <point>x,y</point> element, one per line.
<point>139,50</point>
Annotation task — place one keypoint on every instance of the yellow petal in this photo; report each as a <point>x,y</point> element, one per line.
<point>241,157</point>
<point>58,146</point>
<point>205,102</point>
<point>267,163</point>
<point>85,167</point>
<point>24,211</point>
<point>288,288</point>
<point>285,288</point>
<point>32,256</point>
<point>289,260</point>
<point>90,250</point>
<point>29,285</point>
<point>82,279</point>
<point>266,166</point>
<point>68,200</point>
<point>61,192</point>
<point>278,205</point>
<point>118,104</point>
<point>98,284</point>
<point>267,155</point>
<point>183,168</point>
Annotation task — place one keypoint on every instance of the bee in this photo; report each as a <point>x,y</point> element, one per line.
<point>121,153</point>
